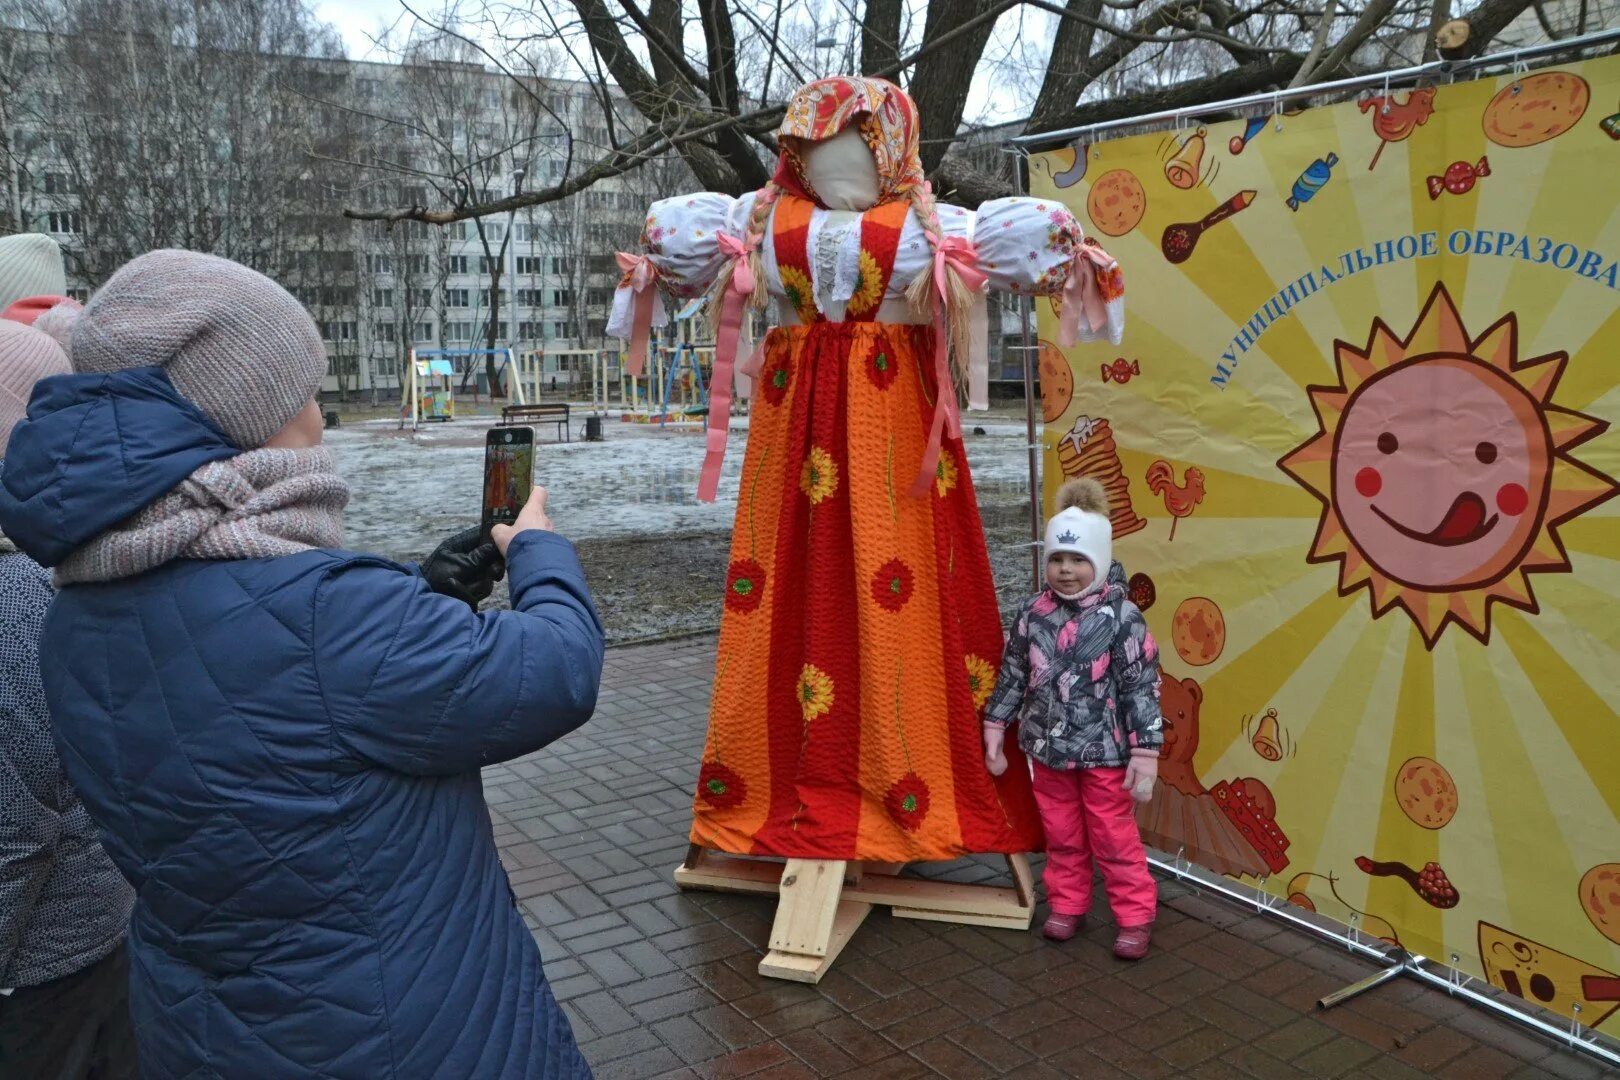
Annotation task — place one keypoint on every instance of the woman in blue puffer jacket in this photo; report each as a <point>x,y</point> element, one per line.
<point>280,740</point>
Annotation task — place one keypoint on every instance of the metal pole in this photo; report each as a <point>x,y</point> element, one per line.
<point>1437,67</point>
<point>1395,959</point>
<point>1026,312</point>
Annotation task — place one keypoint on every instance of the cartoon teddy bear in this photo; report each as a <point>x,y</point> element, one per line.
<point>1231,828</point>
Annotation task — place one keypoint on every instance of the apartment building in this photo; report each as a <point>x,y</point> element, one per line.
<point>364,135</point>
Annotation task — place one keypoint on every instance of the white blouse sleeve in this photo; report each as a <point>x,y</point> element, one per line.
<point>681,238</point>
<point>1026,245</point>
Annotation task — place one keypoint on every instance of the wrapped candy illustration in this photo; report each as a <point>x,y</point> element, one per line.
<point>1459,178</point>
<point>1312,180</point>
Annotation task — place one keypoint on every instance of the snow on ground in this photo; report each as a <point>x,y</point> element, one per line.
<point>413,489</point>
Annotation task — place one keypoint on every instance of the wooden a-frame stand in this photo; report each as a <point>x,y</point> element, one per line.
<point>821,902</point>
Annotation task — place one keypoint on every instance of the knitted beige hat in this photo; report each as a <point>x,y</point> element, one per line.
<point>30,265</point>
<point>231,340</point>
<point>26,356</point>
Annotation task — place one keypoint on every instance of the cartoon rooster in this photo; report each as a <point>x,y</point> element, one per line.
<point>1180,499</point>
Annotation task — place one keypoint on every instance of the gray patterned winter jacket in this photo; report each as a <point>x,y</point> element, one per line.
<point>1081,677</point>
<point>63,905</point>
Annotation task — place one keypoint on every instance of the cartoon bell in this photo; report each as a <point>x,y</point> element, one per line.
<point>1265,741</point>
<point>1182,170</point>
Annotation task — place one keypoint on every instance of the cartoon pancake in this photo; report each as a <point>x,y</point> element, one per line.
<point>1536,108</point>
<point>1116,202</point>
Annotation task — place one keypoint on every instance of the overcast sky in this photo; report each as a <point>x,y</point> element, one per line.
<point>359,21</point>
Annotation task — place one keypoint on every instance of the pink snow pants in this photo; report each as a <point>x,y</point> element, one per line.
<point>1088,815</point>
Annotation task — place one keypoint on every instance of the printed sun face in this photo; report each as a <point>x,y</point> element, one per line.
<point>1441,499</point>
<point>1443,467</point>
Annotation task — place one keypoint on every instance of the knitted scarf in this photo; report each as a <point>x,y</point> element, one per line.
<point>258,505</point>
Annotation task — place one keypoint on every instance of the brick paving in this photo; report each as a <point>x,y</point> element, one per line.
<point>661,983</point>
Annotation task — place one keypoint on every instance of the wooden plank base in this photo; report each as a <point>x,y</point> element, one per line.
<point>822,902</point>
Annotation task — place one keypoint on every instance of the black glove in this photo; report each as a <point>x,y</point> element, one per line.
<point>465,567</point>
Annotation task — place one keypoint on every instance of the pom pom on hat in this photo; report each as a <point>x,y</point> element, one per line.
<point>1082,493</point>
<point>30,265</point>
<point>59,321</point>
<point>1081,524</point>
<point>26,356</point>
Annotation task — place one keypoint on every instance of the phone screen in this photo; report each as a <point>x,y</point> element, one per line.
<point>508,474</point>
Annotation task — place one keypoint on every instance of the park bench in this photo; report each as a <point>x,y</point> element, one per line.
<point>545,413</point>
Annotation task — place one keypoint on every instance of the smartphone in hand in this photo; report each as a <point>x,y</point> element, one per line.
<point>508,474</point>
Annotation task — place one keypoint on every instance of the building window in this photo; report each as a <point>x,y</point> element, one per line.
<point>483,298</point>
<point>58,184</point>
<point>340,331</point>
<point>380,264</point>
<point>530,297</point>
<point>64,221</point>
<point>530,331</point>
<point>424,333</point>
<point>382,298</point>
<point>526,234</point>
<point>487,263</point>
<point>418,264</point>
<point>494,232</point>
<point>457,230</point>
<point>562,267</point>
<point>598,297</point>
<point>559,329</point>
<point>459,331</point>
<point>458,264</point>
<point>530,264</point>
<point>385,332</point>
<point>561,297</point>
<point>421,298</point>
<point>457,298</point>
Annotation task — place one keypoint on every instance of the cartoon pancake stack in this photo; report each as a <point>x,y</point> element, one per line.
<point>1088,450</point>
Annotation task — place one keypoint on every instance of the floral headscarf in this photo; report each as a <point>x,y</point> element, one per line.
<point>888,123</point>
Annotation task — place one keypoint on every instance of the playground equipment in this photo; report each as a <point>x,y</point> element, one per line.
<point>558,373</point>
<point>428,389</point>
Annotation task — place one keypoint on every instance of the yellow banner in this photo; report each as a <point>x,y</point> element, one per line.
<point>1360,448</point>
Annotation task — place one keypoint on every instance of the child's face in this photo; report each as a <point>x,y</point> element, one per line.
<point>1069,573</point>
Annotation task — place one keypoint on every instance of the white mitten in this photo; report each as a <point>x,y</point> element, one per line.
<point>1140,773</point>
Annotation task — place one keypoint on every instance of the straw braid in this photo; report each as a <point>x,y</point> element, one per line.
<point>958,298</point>
<point>754,237</point>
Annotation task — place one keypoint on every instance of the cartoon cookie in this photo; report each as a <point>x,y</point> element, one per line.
<point>1198,631</point>
<point>1116,202</point>
<point>1600,899</point>
<point>1057,383</point>
<point>1536,108</point>
<point>1426,793</point>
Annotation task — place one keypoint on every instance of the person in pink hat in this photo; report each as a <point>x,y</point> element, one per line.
<point>64,972</point>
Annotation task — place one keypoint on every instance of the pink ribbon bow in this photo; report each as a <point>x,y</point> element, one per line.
<point>1083,293</point>
<point>732,307</point>
<point>959,254</point>
<point>639,275</point>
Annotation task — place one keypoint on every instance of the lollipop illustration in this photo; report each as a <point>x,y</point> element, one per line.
<point>1318,173</point>
<point>1396,119</point>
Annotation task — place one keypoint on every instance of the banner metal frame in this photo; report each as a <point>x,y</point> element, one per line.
<point>1393,961</point>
